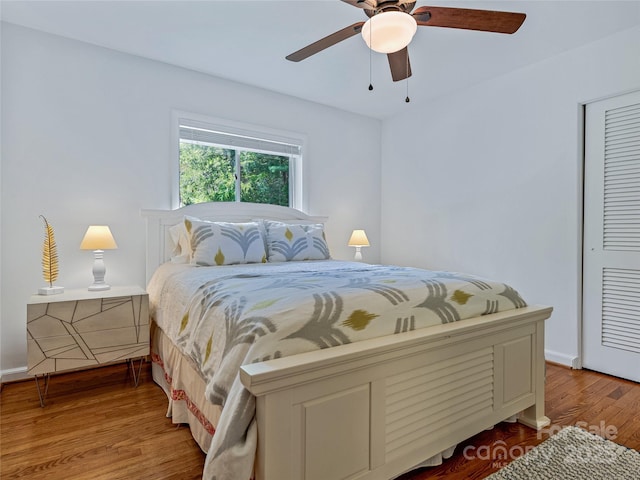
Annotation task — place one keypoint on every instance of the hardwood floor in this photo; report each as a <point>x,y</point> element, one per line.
<point>96,425</point>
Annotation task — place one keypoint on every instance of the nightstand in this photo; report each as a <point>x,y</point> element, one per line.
<point>81,329</point>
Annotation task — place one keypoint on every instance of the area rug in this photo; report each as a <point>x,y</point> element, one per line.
<point>574,453</point>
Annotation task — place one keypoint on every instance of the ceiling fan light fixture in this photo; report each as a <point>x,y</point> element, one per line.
<point>388,32</point>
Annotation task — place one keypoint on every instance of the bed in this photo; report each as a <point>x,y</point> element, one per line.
<point>367,409</point>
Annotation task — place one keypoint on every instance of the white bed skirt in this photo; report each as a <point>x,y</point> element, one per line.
<point>184,388</point>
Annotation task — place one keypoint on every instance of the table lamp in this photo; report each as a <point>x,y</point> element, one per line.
<point>98,238</point>
<point>358,239</point>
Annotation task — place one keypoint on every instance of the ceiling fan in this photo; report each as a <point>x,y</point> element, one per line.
<point>391,26</point>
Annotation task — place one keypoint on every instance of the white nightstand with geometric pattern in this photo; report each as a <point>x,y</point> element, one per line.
<point>80,329</point>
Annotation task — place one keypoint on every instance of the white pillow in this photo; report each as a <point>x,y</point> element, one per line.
<point>296,242</point>
<point>180,243</point>
<point>222,243</point>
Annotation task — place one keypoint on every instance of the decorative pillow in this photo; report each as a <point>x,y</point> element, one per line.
<point>262,222</point>
<point>221,243</point>
<point>180,243</point>
<point>294,242</point>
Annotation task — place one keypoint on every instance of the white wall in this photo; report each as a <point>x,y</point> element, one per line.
<point>1,155</point>
<point>86,139</point>
<point>489,180</point>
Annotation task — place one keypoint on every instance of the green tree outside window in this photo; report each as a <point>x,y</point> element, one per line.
<point>208,174</point>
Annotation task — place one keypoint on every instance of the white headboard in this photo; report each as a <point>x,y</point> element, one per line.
<point>159,221</point>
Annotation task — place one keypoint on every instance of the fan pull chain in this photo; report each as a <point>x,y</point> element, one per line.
<point>370,83</point>
<point>407,100</point>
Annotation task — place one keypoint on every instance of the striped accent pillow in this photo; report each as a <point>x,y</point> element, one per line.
<point>222,243</point>
<point>296,242</point>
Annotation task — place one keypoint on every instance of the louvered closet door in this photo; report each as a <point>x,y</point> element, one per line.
<point>611,283</point>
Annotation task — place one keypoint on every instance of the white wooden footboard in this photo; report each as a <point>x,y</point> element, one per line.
<point>374,409</point>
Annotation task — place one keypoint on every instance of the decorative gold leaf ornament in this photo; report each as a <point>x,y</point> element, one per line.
<point>219,258</point>
<point>359,319</point>
<point>208,350</point>
<point>185,321</point>
<point>264,304</point>
<point>50,267</point>
<point>461,297</point>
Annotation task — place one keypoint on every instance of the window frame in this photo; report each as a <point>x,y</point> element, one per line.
<point>297,198</point>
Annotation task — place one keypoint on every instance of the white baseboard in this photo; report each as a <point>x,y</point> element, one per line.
<point>562,358</point>
<point>17,374</point>
<point>14,375</point>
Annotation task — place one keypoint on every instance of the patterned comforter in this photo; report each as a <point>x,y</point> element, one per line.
<point>224,317</point>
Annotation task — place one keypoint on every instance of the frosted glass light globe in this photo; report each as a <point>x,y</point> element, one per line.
<point>388,32</point>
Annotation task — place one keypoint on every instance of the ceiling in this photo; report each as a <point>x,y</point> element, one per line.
<point>247,41</point>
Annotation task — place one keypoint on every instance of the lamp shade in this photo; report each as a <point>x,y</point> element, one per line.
<point>358,239</point>
<point>388,32</point>
<point>98,237</point>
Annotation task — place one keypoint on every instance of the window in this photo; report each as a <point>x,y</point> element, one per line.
<point>226,164</point>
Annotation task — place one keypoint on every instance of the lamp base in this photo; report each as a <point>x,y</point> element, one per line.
<point>98,272</point>
<point>50,290</point>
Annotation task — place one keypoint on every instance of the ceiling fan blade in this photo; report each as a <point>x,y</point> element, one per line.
<point>326,42</point>
<point>468,19</point>
<point>366,4</point>
<point>399,64</point>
